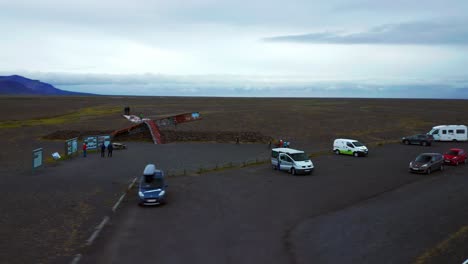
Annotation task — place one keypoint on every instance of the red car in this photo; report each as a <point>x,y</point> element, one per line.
<point>455,156</point>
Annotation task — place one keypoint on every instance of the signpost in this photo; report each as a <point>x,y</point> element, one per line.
<point>103,139</point>
<point>91,142</point>
<point>37,158</point>
<point>71,147</point>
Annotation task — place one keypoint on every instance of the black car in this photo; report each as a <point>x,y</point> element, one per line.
<point>427,163</point>
<point>420,139</point>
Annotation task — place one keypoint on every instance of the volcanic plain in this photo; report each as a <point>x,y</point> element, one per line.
<point>349,210</point>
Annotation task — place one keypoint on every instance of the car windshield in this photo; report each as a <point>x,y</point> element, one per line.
<point>357,144</point>
<point>423,158</point>
<point>453,152</point>
<point>151,182</point>
<point>299,157</point>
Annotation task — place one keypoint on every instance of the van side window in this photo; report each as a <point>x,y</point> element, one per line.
<point>349,145</point>
<point>460,131</point>
<point>274,154</point>
<point>450,131</point>
<point>444,132</point>
<point>436,132</point>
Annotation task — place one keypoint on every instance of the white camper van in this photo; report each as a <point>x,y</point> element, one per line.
<point>449,133</point>
<point>291,160</point>
<point>349,147</point>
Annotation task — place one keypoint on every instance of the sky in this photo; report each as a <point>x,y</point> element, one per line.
<point>296,48</point>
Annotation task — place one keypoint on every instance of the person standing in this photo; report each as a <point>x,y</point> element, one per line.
<point>103,149</point>
<point>109,149</point>
<point>85,147</point>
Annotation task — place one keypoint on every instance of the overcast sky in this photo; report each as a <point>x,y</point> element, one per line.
<point>298,48</point>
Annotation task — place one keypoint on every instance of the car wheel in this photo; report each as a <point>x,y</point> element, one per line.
<point>428,171</point>
<point>406,142</point>
<point>356,154</point>
<point>337,152</point>
<point>293,171</point>
<point>454,140</point>
<point>424,143</point>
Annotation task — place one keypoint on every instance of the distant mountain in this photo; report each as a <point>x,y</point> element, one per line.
<point>16,84</point>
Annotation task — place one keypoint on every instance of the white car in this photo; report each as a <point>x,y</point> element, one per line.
<point>116,145</point>
<point>349,147</point>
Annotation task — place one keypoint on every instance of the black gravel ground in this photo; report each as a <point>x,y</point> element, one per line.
<point>351,210</point>
<point>47,216</point>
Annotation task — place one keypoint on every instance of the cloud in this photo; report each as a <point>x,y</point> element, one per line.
<point>411,33</point>
<point>253,86</point>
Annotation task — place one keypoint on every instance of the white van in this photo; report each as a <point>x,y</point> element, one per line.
<point>349,147</point>
<point>449,133</point>
<point>291,160</point>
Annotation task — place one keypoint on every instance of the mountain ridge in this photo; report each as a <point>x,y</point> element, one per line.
<point>16,84</point>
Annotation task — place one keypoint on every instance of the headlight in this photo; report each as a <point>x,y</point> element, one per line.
<point>161,193</point>
<point>411,164</point>
<point>141,194</point>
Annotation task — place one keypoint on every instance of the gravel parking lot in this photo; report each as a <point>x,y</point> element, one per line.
<point>53,211</point>
<point>351,210</point>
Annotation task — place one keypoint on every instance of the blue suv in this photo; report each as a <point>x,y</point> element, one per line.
<point>152,187</point>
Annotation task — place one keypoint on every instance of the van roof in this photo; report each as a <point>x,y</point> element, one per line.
<point>150,169</point>
<point>287,150</point>
<point>346,139</point>
<point>441,126</point>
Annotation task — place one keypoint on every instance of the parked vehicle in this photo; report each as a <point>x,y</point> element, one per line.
<point>427,163</point>
<point>152,186</point>
<point>349,147</point>
<point>119,145</point>
<point>420,139</point>
<point>455,156</point>
<point>449,133</point>
<point>291,160</point>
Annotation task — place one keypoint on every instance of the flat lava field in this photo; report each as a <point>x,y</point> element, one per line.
<point>48,215</point>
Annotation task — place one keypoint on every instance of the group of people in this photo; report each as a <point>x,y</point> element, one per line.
<point>127,110</point>
<point>109,147</point>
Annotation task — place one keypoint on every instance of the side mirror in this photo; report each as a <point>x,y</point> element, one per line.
<point>166,185</point>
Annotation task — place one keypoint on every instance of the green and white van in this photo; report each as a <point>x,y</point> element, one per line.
<point>349,147</point>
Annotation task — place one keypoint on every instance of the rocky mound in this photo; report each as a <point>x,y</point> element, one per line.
<point>68,134</point>
<point>169,136</point>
